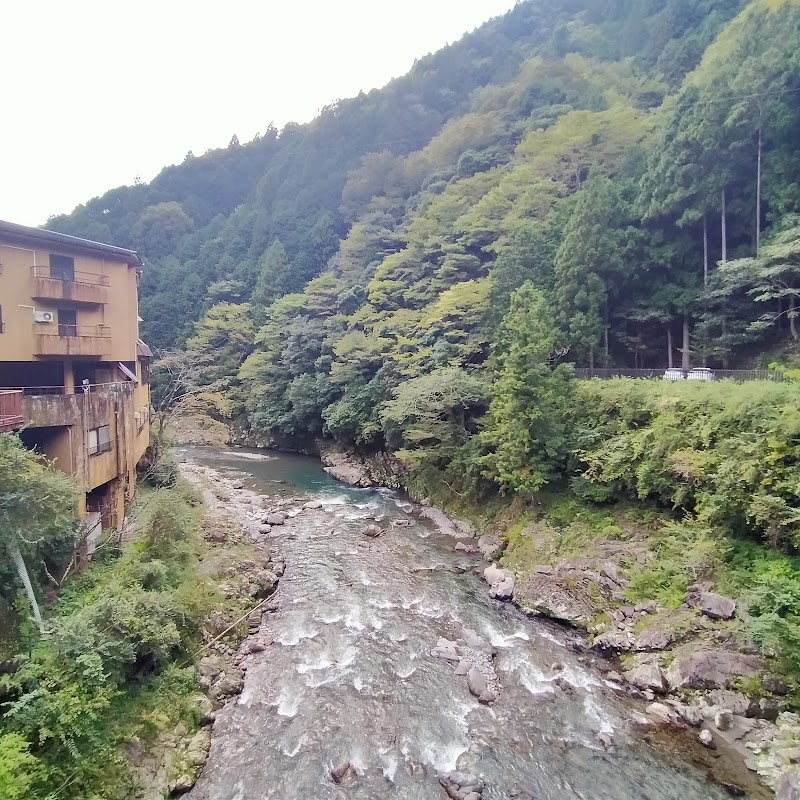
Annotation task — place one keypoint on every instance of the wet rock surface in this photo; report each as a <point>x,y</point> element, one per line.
<point>349,674</point>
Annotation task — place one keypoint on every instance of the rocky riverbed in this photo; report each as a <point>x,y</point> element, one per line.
<point>387,670</point>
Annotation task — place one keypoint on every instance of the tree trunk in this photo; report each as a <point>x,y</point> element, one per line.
<point>685,361</point>
<point>724,220</point>
<point>669,348</point>
<point>792,312</point>
<point>758,193</point>
<point>705,252</point>
<point>591,357</point>
<point>605,332</point>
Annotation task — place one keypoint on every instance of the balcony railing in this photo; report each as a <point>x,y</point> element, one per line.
<point>77,287</point>
<point>10,410</point>
<point>72,340</point>
<point>76,276</point>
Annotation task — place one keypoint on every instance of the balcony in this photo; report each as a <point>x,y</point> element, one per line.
<point>74,287</point>
<point>72,340</point>
<point>10,410</point>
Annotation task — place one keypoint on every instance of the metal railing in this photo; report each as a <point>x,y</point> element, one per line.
<point>76,276</point>
<point>36,391</point>
<point>68,330</point>
<point>10,409</point>
<point>677,374</point>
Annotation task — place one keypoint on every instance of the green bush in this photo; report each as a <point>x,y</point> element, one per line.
<point>728,453</point>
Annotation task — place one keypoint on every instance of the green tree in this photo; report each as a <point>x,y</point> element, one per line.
<point>274,274</point>
<point>526,434</point>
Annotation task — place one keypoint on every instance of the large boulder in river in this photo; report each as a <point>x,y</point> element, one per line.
<point>710,668</point>
<point>461,785</point>
<point>276,518</point>
<point>501,582</point>
<point>716,606</point>
<point>373,531</point>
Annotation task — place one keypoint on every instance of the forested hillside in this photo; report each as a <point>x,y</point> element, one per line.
<point>629,169</point>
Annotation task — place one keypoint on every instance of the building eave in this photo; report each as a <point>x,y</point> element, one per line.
<point>16,231</point>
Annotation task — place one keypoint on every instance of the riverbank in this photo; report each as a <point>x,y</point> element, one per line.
<point>238,569</point>
<point>688,655</point>
<point>390,667</point>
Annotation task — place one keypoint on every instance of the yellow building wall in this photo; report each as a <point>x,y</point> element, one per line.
<point>119,314</point>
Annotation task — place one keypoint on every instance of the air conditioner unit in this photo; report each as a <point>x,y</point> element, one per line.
<point>43,316</point>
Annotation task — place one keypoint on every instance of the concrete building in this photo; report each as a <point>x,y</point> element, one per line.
<point>74,375</point>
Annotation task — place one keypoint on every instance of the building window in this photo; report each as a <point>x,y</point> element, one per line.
<point>67,322</point>
<point>99,440</point>
<point>62,268</point>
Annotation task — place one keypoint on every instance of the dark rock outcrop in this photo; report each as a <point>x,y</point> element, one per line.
<point>710,668</point>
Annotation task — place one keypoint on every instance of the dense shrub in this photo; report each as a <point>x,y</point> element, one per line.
<point>728,453</point>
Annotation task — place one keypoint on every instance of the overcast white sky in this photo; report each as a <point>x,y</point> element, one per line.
<point>96,92</point>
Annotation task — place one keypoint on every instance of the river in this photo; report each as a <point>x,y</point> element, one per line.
<point>349,676</point>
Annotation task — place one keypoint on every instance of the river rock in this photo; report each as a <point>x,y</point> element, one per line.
<point>462,547</point>
<point>343,773</point>
<point>716,606</point>
<point>446,650</point>
<point>653,638</point>
<point>491,545</point>
<point>646,676</point>
<point>276,518</point>
<point>210,666</point>
<point>227,685</point>
<point>501,582</point>
<point>463,668</point>
<point>613,641</point>
<point>661,713</point>
<point>710,668</point>
<point>264,528</point>
<point>475,642</point>
<point>462,785</point>
<point>706,739</point>
<point>373,531</point>
<point>312,505</point>
<point>788,787</point>
<point>574,597</point>
<point>476,682</point>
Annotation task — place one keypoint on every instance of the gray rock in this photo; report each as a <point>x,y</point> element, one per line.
<point>446,650</point>
<point>788,787</point>
<point>775,686</point>
<point>769,709</point>
<point>312,505</point>
<point>614,677</point>
<point>476,682</point>
<point>276,518</point>
<point>716,606</point>
<point>613,641</point>
<point>612,572</point>
<point>710,668</point>
<point>373,531</point>
<point>646,676</point>
<point>210,666</point>
<point>503,590</point>
<point>475,642</point>
<point>653,638</point>
<point>461,547</point>
<point>706,739</point>
<point>691,715</point>
<point>463,668</point>
<point>489,696</point>
<point>723,719</point>
<point>226,686</point>
<point>264,528</point>
<point>661,713</point>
